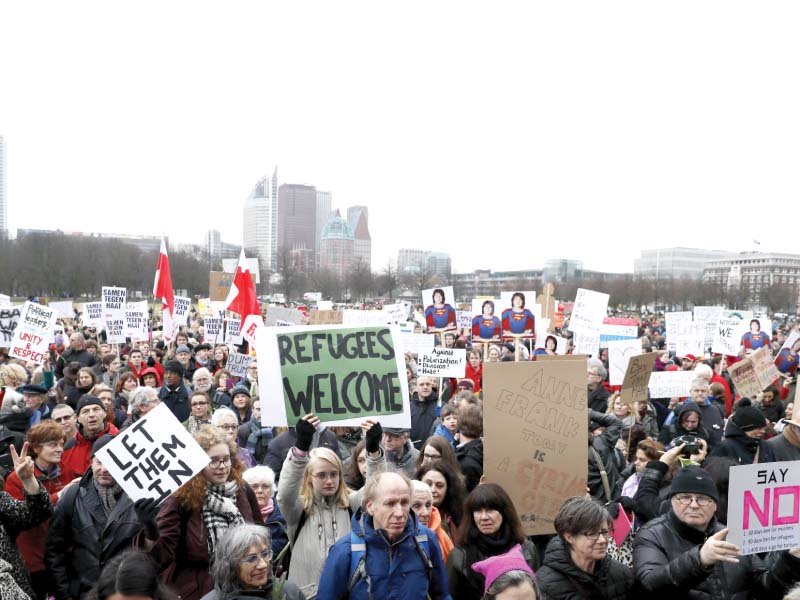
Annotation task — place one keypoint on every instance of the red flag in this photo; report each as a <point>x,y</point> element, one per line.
<point>242,299</point>
<point>162,290</point>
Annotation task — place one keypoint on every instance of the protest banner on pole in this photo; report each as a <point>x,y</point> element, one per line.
<point>671,325</point>
<point>637,378</point>
<point>341,374</point>
<point>136,323</point>
<point>33,332</point>
<point>535,423</point>
<point>180,317</point>
<point>233,332</point>
<point>670,384</point>
<point>442,362</point>
<point>619,353</point>
<point>588,311</point>
<point>9,317</point>
<point>764,507</point>
<point>439,313</point>
<point>237,363</point>
<point>731,326</point>
<point>153,457</point>
<point>63,309</point>
<point>416,343</point>
<point>93,315</point>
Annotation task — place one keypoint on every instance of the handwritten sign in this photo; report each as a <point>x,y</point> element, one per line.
<point>753,374</point>
<point>325,317</point>
<point>63,309</point>
<point>587,342</point>
<point>709,316</point>
<point>589,310</point>
<point>672,319</point>
<point>637,377</point>
<point>9,317</point>
<point>619,353</point>
<point>237,363</point>
<point>442,362</point>
<point>730,328</point>
<point>33,332</point>
<point>463,319</point>
<point>395,313</point>
<point>671,384</point>
<point>233,332</point>
<point>764,507</point>
<point>153,457</point>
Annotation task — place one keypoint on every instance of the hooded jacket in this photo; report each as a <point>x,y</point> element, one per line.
<point>741,448</point>
<point>435,525</point>
<point>396,568</point>
<point>78,450</point>
<point>676,428</point>
<point>561,579</point>
<point>149,371</point>
<point>470,459</point>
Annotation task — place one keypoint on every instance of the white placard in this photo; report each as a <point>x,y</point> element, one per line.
<point>237,363</point>
<point>212,329</point>
<point>671,384</point>
<point>5,300</point>
<point>586,342</point>
<point>93,315</point>
<point>153,457</point>
<point>395,313</point>
<point>763,501</point>
<point>63,309</point>
<point>416,343</point>
<point>33,332</point>
<point>180,316</point>
<point>709,316</point>
<point>233,332</point>
<point>136,323</point>
<point>620,353</point>
<point>115,330</point>
<point>9,317</point>
<point>464,319</point>
<point>732,324</point>
<point>114,300</point>
<point>588,312</point>
<point>672,319</point>
<point>442,362</point>
<point>280,313</point>
<point>325,305</point>
<point>530,302</point>
<point>364,318</point>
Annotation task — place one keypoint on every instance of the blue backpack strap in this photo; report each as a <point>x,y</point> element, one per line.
<point>421,544</point>
<point>358,562</point>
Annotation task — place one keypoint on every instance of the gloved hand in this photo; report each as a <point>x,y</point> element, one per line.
<point>146,513</point>
<point>372,441</point>
<point>305,434</point>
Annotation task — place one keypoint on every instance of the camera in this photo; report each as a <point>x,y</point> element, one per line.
<point>692,446</point>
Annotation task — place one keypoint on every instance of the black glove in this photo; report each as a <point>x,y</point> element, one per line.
<point>146,512</point>
<point>373,440</point>
<point>305,433</point>
<point>627,503</point>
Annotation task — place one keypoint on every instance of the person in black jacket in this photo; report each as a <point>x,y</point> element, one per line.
<point>602,453</point>
<point>683,554</point>
<point>254,436</point>
<point>687,421</point>
<point>596,373</point>
<point>744,436</point>
<point>173,393</point>
<point>424,411</point>
<point>470,452</point>
<point>280,446</point>
<point>575,563</point>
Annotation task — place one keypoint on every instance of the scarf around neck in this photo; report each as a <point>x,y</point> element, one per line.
<point>220,511</point>
<point>108,496</point>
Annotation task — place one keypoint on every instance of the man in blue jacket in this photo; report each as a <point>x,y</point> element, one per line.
<point>388,555</point>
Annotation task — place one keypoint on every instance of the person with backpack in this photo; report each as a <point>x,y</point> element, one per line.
<point>387,553</point>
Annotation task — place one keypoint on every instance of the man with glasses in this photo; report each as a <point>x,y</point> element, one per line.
<point>596,373</point>
<point>226,420</point>
<point>683,554</point>
<point>64,415</point>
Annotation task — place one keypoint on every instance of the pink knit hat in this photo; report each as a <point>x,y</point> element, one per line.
<point>495,566</point>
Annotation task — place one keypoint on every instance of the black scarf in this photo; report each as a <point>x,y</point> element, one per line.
<point>492,545</point>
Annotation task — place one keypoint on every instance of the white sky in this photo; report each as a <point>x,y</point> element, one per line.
<point>504,133</point>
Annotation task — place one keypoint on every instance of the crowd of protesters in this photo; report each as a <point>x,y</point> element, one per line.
<point>368,512</point>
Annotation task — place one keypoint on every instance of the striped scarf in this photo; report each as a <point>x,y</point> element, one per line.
<point>220,511</point>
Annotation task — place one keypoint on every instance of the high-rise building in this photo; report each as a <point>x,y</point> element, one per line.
<point>666,263</point>
<point>354,215</point>
<point>216,250</point>
<point>297,218</point>
<point>260,227</point>
<point>411,260</point>
<point>561,270</point>
<point>324,200</point>
<point>3,206</point>
<point>439,264</point>
<point>337,247</point>
<point>363,241</point>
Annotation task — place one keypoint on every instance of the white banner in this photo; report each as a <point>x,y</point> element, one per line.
<point>588,312</point>
<point>442,362</point>
<point>671,384</point>
<point>33,332</point>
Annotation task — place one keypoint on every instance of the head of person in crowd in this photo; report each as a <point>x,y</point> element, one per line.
<point>252,371</point>
<point>221,378</point>
<point>437,449</point>
<point>92,416</point>
<point>182,339</point>
<point>357,469</point>
<point>77,342</point>
<point>387,499</point>
<point>225,420</point>
<point>242,564</point>
<point>224,466</point>
<point>13,375</point>
<point>494,353</point>
<point>323,478</point>
<point>46,442</point>
<point>143,400</point>
<point>241,400</point>
<point>703,371</point>
<point>126,383</point>
<point>35,395</point>
<point>111,363</point>
<point>749,420</point>
<point>262,479</point>
<point>689,417</point>
<point>93,348</point>
<point>617,407</point>
<point>394,439</point>
<point>584,528</point>
<point>183,355</point>
<point>490,521</point>
<point>201,380</point>
<point>694,497</point>
<point>106,395</point>
<point>201,352</point>
<point>421,501</point>
<point>425,389</point>
<point>136,359</point>
<point>200,404</point>
<point>790,411</point>
<point>595,374</point>
<point>101,475</point>
<point>86,379</point>
<point>64,416</point>
<point>507,576</point>
<point>449,417</point>
<point>130,576</point>
<point>475,358</point>
<point>699,390</point>
<point>647,450</point>
<point>173,373</point>
<point>687,362</point>
<point>470,421</point>
<point>769,396</point>
<point>220,355</point>
<point>717,392</point>
<point>447,487</point>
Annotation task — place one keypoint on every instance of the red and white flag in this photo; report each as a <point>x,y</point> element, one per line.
<point>242,299</point>
<point>162,290</point>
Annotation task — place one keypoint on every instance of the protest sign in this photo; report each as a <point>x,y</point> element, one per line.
<point>9,317</point>
<point>33,332</point>
<point>763,501</point>
<point>280,313</point>
<point>180,316</point>
<point>670,384</point>
<point>341,374</point>
<point>93,315</point>
<point>618,328</point>
<point>280,323</point>
<point>619,353</point>
<point>672,319</point>
<point>115,330</point>
<point>588,311</point>
<point>709,316</point>
<point>586,342</point>
<point>63,309</point>
<point>395,313</point>
<point>219,283</point>
<point>442,362</point>
<point>528,301</point>
<point>753,374</point>
<point>212,332</point>
<point>463,319</point>
<point>416,343</point>
<point>364,318</point>
<point>237,364</point>
<point>325,305</point>
<point>204,306</point>
<point>731,326</point>
<point>535,424</point>
<point>787,358</point>
<point>114,300</point>
<point>233,332</point>
<point>325,317</point>
<point>439,312</point>
<point>153,457</point>
<point>136,326</point>
<point>637,377</point>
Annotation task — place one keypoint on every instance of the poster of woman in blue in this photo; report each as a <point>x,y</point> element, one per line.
<point>486,326</point>
<point>440,316</point>
<point>787,359</point>
<point>755,338</point>
<point>550,346</point>
<point>518,320</point>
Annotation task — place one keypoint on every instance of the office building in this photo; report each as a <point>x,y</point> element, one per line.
<point>324,202</point>
<point>297,218</point>
<point>675,263</point>
<point>337,247</point>
<point>362,240</point>
<point>260,227</point>
<point>754,271</point>
<point>410,261</point>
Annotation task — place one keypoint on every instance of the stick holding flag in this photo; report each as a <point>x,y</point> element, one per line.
<point>242,299</point>
<point>162,290</point>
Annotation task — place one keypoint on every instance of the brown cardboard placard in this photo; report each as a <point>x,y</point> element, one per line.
<point>637,378</point>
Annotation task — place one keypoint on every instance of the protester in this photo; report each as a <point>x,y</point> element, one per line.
<point>605,462</point>
<point>447,426</point>
<point>401,455</point>
<point>174,393</point>
<point>507,577</point>
<point>114,415</point>
<point>64,415</point>
<point>597,397</point>
<point>242,567</point>
<point>646,451</point>
<point>280,446</point>
<point>469,452</point>
<point>424,411</point>
<point>14,418</point>
<point>689,421</point>
<point>474,369</point>
<point>429,516</point>
<point>75,353</point>
<point>356,468</point>
<point>126,383</point>
<point>786,445</point>
<point>36,402</point>
<point>241,403</point>
<point>262,480</point>
<point>253,436</point>
<point>744,436</point>
<point>200,405</point>
<point>221,396</point>
<point>128,576</point>
<point>225,420</point>
<point>110,370</point>
<point>447,487</point>
<point>92,425</point>
<point>150,377</point>
<point>202,381</point>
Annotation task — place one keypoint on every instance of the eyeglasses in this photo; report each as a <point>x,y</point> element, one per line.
<point>219,462</point>
<point>64,418</point>
<point>253,559</point>
<point>598,535</point>
<point>323,476</point>
<point>687,499</point>
<point>228,427</point>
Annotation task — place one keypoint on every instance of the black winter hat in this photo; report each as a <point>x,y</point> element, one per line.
<point>174,366</point>
<point>694,480</point>
<point>88,400</point>
<point>748,418</point>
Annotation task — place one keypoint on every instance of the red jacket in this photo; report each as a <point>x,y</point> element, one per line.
<point>476,375</point>
<point>716,378</point>
<point>77,453</point>
<point>31,542</point>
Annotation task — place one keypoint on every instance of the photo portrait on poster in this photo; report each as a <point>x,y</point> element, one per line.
<point>439,315</point>
<point>758,335</point>
<point>517,319</point>
<point>789,354</point>
<point>486,324</point>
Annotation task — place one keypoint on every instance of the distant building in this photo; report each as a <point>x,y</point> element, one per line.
<point>297,218</point>
<point>324,200</point>
<point>337,247</point>
<point>755,271</point>
<point>3,199</point>
<point>677,263</point>
<point>439,264</point>
<point>260,221</point>
<point>484,282</point>
<point>411,261</point>
<point>362,240</point>
<point>561,270</point>
<point>354,215</point>
<point>216,250</point>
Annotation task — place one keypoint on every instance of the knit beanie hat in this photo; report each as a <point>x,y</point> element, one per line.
<point>495,566</point>
<point>175,367</point>
<point>748,417</point>
<point>240,389</point>
<point>694,480</point>
<point>88,400</point>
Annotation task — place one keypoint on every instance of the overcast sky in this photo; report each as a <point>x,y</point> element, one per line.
<point>504,133</point>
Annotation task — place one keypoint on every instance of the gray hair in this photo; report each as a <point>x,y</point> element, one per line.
<point>259,473</point>
<point>230,551</point>
<point>420,486</point>
<point>699,381</point>
<point>371,487</point>
<point>510,579</point>
<point>597,364</point>
<point>703,371</point>
<point>201,372</point>
<point>220,414</point>
<point>143,395</point>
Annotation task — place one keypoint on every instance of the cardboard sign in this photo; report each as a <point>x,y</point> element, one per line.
<point>93,315</point>
<point>442,362</point>
<point>153,457</point>
<point>731,326</point>
<point>237,363</point>
<point>63,309</point>
<point>763,501</point>
<point>364,318</point>
<point>325,317</point>
<point>339,373</point>
<point>672,319</point>
<point>219,284</point>
<point>136,326</point>
<point>588,312</point>
<point>753,374</point>
<point>619,353</point>
<point>180,315</point>
<point>637,378</point>
<point>233,332</point>
<point>33,332</point>
<point>535,424</point>
<point>671,384</point>
<point>280,313</point>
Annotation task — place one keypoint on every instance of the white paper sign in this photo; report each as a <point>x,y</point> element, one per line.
<point>115,330</point>
<point>587,342</point>
<point>237,363</point>
<point>63,309</point>
<point>5,300</point>
<point>709,316</point>
<point>442,362</point>
<point>180,317</point>
<point>233,332</point>
<point>325,305</point>
<point>33,332</point>
<point>672,319</point>
<point>364,318</point>
<point>395,313</point>
<point>114,300</point>
<point>589,311</point>
<point>416,343</point>
<point>213,329</point>
<point>9,317</point>
<point>671,384</point>
<point>153,457</point>
<point>464,319</point>
<point>620,353</point>
<point>136,323</point>
<point>763,501</point>
<point>731,326</point>
<point>93,315</point>
<point>280,313</point>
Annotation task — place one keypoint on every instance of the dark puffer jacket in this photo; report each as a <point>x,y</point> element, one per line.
<point>604,445</point>
<point>741,448</point>
<point>666,558</point>
<point>652,497</point>
<point>470,459</point>
<point>561,579</point>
